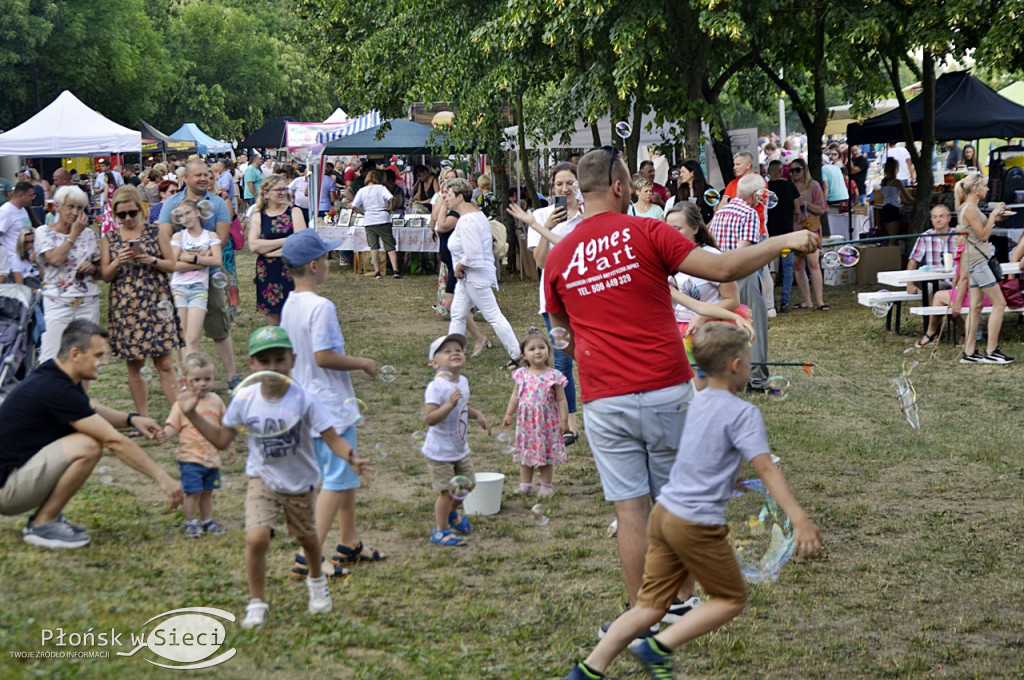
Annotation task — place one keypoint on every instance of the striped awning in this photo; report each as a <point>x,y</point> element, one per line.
<point>363,122</point>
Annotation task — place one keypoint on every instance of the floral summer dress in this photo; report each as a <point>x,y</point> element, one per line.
<point>538,441</point>
<point>138,328</point>
<point>273,282</point>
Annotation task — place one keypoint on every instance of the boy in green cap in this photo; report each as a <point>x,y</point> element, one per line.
<point>278,417</point>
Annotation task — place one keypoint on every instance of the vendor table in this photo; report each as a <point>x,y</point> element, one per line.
<point>407,239</point>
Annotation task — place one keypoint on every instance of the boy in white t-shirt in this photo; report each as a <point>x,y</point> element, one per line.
<point>448,413</point>
<point>687,530</point>
<point>322,368</point>
<point>279,417</point>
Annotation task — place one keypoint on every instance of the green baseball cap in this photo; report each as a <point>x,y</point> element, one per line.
<point>268,337</point>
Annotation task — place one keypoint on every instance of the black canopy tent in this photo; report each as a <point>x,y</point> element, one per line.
<point>270,136</point>
<point>157,142</point>
<point>965,108</point>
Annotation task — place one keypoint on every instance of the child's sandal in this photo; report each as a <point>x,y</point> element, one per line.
<point>524,489</point>
<point>460,525</point>
<point>345,555</point>
<point>301,568</point>
<point>546,490</point>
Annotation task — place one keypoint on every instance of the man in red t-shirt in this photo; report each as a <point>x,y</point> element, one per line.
<point>607,283</point>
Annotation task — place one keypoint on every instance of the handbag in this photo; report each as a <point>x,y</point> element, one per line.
<point>237,240</point>
<point>810,221</point>
<point>993,263</point>
<point>1011,293</point>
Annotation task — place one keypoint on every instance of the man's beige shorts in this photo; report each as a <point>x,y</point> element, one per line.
<point>442,472</point>
<point>263,505</point>
<point>28,486</point>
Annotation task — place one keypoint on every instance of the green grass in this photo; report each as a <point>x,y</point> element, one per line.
<point>922,575</point>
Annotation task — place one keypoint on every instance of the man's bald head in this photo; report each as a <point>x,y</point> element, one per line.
<point>61,178</point>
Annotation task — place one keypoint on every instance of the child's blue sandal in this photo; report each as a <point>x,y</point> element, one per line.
<point>301,568</point>
<point>462,526</point>
<point>447,538</point>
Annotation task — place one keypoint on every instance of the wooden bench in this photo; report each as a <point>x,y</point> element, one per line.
<point>896,298</point>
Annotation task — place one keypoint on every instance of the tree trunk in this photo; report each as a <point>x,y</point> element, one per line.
<point>524,166</point>
<point>923,160</point>
<point>499,175</point>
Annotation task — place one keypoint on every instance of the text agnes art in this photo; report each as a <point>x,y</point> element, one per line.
<point>599,264</point>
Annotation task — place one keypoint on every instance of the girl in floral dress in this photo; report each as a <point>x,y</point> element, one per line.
<point>542,414</point>
<point>273,221</point>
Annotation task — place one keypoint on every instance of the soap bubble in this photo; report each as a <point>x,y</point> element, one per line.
<point>881,309</point>
<point>507,442</point>
<point>759,532</point>
<point>165,309</point>
<point>146,373</point>
<point>778,388</point>
<point>830,259</point>
<point>180,214</point>
<point>560,337</point>
<point>769,199</point>
<point>205,209</point>
<point>911,356</point>
<point>539,512</point>
<point>444,374</point>
<point>674,174</point>
<point>387,373</point>
<point>380,450</point>
<point>219,279</point>
<point>505,146</point>
<point>905,391</point>
<point>107,479</point>
<point>418,438</point>
<point>623,129</point>
<point>712,197</point>
<point>103,470</point>
<point>848,256</point>
<point>269,386</point>
<point>459,487</point>
<point>353,412</point>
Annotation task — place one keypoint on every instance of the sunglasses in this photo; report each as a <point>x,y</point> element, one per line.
<point>127,213</point>
<point>792,170</point>
<point>611,160</point>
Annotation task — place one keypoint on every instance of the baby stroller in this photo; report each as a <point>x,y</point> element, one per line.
<point>17,347</point>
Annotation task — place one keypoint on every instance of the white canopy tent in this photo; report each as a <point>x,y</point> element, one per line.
<point>67,127</point>
<point>338,116</point>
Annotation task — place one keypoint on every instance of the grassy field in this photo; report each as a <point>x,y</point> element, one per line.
<point>923,574</point>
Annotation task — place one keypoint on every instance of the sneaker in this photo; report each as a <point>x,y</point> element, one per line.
<point>193,529</point>
<point>234,382</point>
<point>77,528</point>
<point>377,276</point>
<point>211,527</point>
<point>55,534</point>
<point>999,356</point>
<point>255,614</point>
<point>397,275</point>
<point>319,595</point>
<point>651,632</point>
<point>344,262</point>
<point>580,673</point>
<point>972,358</point>
<point>658,665</point>
<point>784,309</point>
<point>772,313</point>
<point>678,608</point>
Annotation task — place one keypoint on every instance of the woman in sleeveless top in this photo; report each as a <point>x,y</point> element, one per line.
<point>969,191</point>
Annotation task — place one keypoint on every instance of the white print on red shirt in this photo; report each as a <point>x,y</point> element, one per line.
<point>609,257</point>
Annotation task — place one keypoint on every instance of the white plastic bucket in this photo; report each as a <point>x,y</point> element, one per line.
<point>485,498</point>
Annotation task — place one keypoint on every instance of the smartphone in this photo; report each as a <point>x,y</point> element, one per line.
<point>562,202</point>
<point>136,247</point>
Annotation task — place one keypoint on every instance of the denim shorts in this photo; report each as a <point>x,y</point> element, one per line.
<point>635,437</point>
<point>190,295</point>
<point>981,275</point>
<point>196,477</point>
<point>337,473</point>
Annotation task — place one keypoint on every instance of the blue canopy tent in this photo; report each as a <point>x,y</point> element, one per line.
<point>204,142</point>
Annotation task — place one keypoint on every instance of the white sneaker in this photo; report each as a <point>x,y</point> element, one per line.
<point>772,313</point>
<point>678,608</point>
<point>319,595</point>
<point>255,614</point>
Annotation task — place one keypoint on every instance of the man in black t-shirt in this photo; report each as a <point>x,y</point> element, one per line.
<point>857,168</point>
<point>52,435</point>
<point>780,221</point>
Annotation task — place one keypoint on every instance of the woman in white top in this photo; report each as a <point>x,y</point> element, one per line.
<point>375,203</point>
<point>298,188</point>
<point>969,191</point>
<point>473,260</point>
<point>548,226</point>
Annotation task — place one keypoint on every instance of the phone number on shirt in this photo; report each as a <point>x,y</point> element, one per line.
<point>599,286</point>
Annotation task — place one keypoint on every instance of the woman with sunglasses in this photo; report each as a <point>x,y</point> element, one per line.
<point>140,315</point>
<point>812,203</point>
<point>68,253</point>
<point>274,219</point>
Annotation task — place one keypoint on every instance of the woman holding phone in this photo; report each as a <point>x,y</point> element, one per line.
<point>140,316</point>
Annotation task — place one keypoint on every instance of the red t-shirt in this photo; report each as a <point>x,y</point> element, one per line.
<point>730,191</point>
<point>660,190</point>
<point>610,277</point>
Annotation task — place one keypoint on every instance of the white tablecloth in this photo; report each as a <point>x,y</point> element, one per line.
<point>407,239</point>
